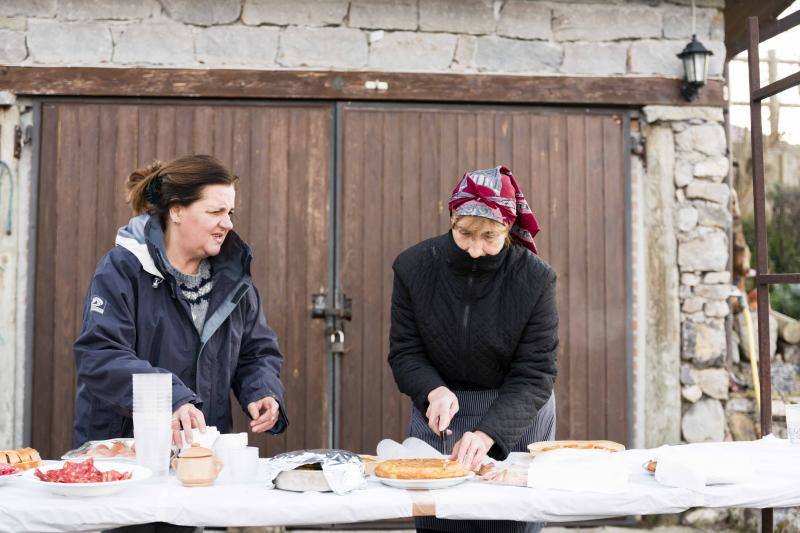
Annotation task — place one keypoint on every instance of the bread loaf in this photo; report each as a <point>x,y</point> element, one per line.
<point>22,458</point>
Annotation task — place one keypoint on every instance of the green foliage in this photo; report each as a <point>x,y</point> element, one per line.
<point>783,245</point>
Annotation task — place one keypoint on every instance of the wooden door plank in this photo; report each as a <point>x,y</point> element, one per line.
<point>43,340</point>
<point>616,298</point>
<point>317,234</point>
<point>68,209</point>
<point>374,182</point>
<point>354,197</point>
<point>559,252</point>
<point>595,268</point>
<point>394,146</point>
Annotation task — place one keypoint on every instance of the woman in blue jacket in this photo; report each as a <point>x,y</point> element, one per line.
<point>175,295</point>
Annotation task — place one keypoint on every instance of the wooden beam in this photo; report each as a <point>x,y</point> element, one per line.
<point>334,85</point>
<point>767,11</point>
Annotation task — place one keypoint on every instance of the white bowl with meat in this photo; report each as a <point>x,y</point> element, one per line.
<point>86,478</point>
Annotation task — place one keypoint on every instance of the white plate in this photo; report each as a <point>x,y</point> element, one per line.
<point>8,477</point>
<point>140,473</point>
<point>421,484</point>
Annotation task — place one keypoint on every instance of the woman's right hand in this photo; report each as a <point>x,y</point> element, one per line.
<point>442,407</point>
<point>187,416</point>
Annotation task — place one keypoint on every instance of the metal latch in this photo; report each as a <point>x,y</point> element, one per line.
<point>342,309</point>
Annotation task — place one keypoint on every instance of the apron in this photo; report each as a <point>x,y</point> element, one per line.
<point>472,406</point>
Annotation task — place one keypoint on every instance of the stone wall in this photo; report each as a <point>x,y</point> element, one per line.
<point>510,36</point>
<point>693,141</point>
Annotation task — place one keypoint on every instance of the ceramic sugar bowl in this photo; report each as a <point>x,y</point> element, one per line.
<point>196,466</point>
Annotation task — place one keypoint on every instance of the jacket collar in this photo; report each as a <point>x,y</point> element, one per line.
<point>233,261</point>
<point>462,262</point>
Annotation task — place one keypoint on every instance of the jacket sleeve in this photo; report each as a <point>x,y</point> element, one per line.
<point>105,351</point>
<point>413,371</point>
<point>530,379</point>
<point>258,371</point>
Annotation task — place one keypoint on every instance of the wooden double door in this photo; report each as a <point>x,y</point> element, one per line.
<point>329,194</point>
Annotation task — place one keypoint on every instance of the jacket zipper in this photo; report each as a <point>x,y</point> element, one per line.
<point>465,320</point>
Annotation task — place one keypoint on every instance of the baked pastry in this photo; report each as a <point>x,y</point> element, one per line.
<point>420,469</point>
<point>22,458</point>
<point>538,448</point>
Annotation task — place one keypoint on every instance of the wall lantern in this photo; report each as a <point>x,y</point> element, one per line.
<point>695,68</point>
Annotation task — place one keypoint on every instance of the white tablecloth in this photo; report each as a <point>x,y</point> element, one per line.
<point>775,484</point>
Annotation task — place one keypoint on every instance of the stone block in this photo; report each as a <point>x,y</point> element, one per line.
<point>413,51</point>
<point>498,54</point>
<point>107,9</point>
<point>686,218</point>
<point>692,393</point>
<point>12,47</point>
<point>383,14</point>
<point>241,46</point>
<point>595,58</point>
<point>742,426</point>
<point>709,23</point>
<point>654,113</point>
<point>155,43</point>
<point>739,404</point>
<point>717,309</point>
<point>704,253</point>
<point>690,279</point>
<point>475,17</point>
<point>785,378</point>
<point>704,422</point>
<point>74,43</point>
<point>717,277</point>
<point>773,334</point>
<point>656,57</point>
<point>714,382</point>
<point>525,20</point>
<point>13,23</point>
<point>717,61</point>
<point>703,343</point>
<point>791,353</point>
<point>718,291</point>
<point>693,305</point>
<point>297,12</point>
<point>580,22</point>
<point>713,215</point>
<point>688,374</point>
<point>713,167</point>
<point>28,8</point>
<point>203,12</point>
<point>323,47</point>
<point>683,173</point>
<point>705,190</point>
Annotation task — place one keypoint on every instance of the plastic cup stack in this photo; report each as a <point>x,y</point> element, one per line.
<point>152,420</point>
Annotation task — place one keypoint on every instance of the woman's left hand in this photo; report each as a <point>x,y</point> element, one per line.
<point>264,414</point>
<point>471,449</point>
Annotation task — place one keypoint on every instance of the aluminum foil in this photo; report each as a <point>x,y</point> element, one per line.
<point>343,470</point>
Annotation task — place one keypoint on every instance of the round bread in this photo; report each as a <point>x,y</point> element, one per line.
<point>538,448</point>
<point>420,469</point>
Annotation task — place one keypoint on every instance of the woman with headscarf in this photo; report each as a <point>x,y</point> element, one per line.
<point>474,333</point>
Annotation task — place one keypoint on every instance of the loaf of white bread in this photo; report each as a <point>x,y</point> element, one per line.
<point>22,458</point>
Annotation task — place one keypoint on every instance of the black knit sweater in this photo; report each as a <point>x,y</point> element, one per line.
<point>476,324</point>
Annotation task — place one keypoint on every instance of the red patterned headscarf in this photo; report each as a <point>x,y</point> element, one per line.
<point>494,194</point>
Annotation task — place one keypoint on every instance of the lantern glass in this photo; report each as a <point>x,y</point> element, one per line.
<point>701,67</point>
<point>689,68</point>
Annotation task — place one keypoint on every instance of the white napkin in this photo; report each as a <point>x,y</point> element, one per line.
<point>412,448</point>
<point>579,470</point>
<point>682,466</point>
<point>206,440</point>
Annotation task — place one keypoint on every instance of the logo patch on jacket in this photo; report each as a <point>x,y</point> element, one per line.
<point>98,305</point>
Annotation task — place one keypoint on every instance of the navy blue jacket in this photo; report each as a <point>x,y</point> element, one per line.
<point>135,320</point>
